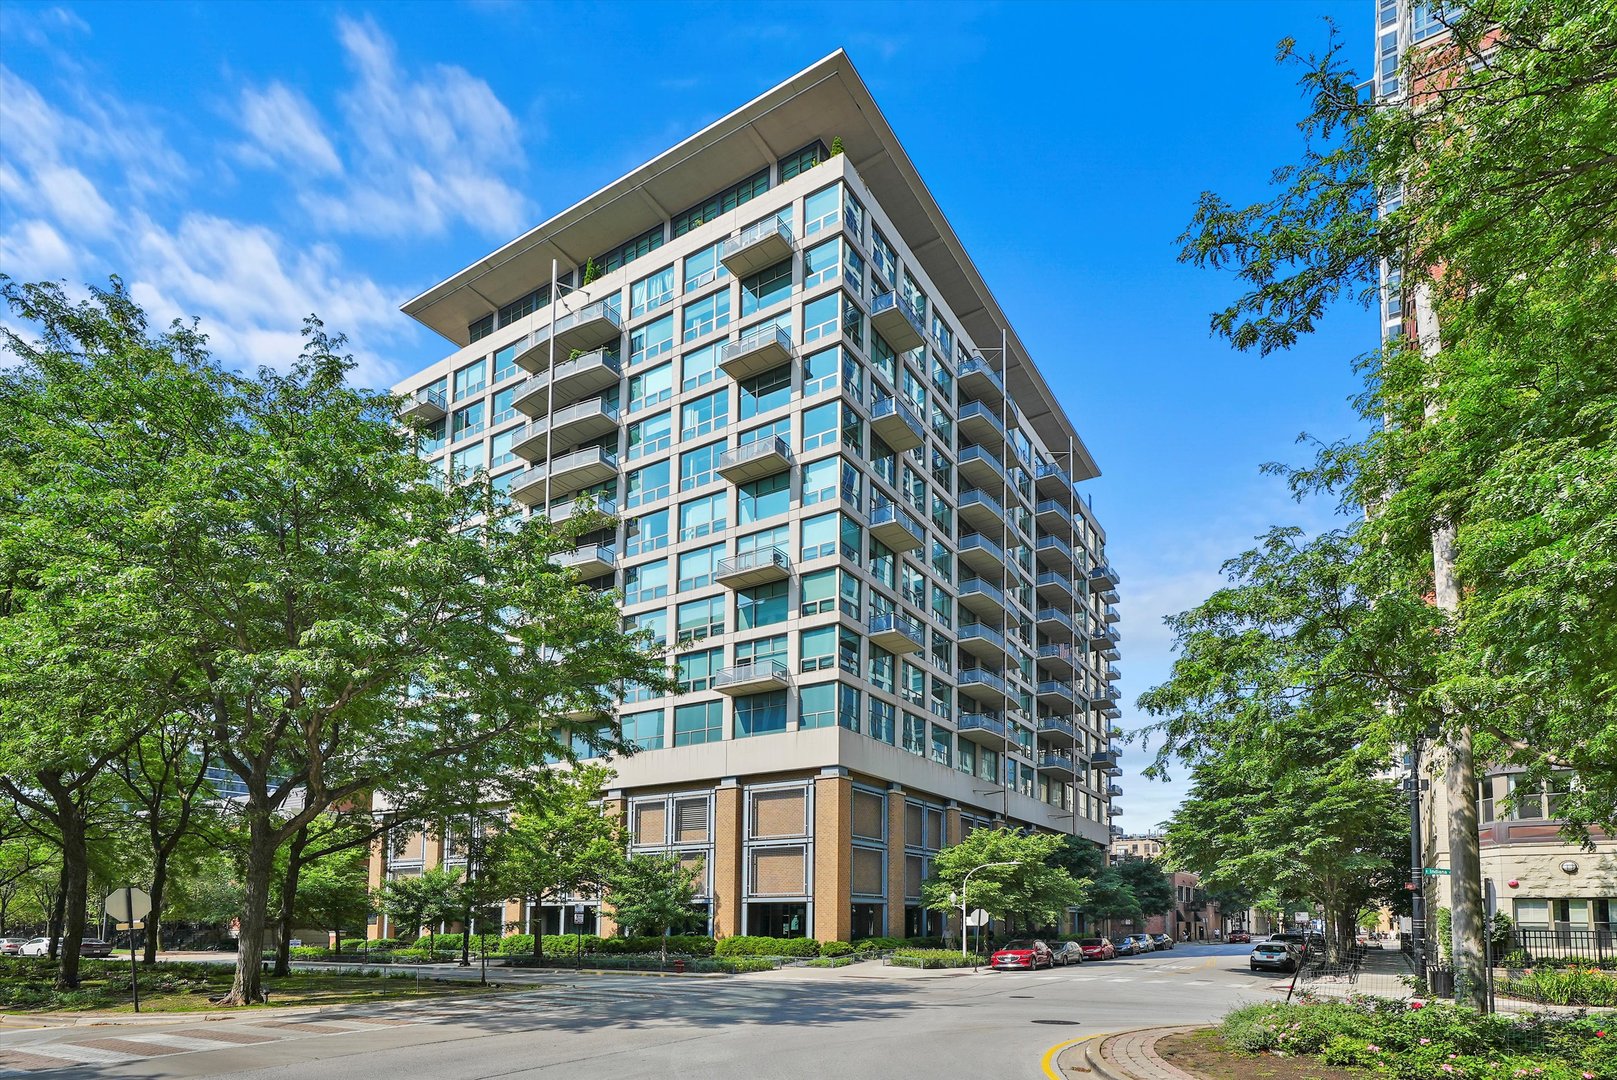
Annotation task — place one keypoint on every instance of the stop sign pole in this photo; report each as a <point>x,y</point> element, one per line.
<point>128,905</point>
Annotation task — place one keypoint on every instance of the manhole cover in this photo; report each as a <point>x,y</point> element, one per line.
<point>1061,1023</point>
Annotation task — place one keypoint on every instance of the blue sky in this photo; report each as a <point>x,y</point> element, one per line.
<point>251,163</point>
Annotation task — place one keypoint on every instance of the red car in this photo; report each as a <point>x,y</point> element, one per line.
<point>1098,948</point>
<point>1027,955</point>
<point>1240,937</point>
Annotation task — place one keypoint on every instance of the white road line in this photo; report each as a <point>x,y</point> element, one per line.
<point>181,1042</point>
<point>82,1055</point>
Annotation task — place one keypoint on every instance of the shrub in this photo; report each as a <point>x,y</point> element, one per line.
<point>835,948</point>
<point>359,944</point>
<point>516,945</point>
<point>684,944</point>
<point>831,962</point>
<point>932,958</point>
<point>568,944</point>
<point>767,946</point>
<point>740,965</point>
<point>877,945</point>
<point>308,952</point>
<point>1570,986</point>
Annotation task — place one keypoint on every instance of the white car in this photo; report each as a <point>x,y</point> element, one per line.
<point>39,946</point>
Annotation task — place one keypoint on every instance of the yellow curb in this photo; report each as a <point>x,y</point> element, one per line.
<point>1047,1063</point>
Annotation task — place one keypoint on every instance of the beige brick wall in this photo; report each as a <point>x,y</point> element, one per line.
<point>833,858</point>
<point>895,863</point>
<point>728,808</point>
<point>616,809</point>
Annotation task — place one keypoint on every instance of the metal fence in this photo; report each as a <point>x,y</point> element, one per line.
<point>1531,946</point>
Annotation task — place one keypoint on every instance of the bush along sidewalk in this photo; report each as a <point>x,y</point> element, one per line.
<point>932,958</point>
<point>1563,986</point>
<point>1409,1040</point>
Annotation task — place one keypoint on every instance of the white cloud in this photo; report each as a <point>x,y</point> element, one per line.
<point>73,200</point>
<point>34,251</point>
<point>427,151</point>
<point>285,128</point>
<point>39,26</point>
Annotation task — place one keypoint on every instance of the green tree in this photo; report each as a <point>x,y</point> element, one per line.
<point>1030,889</point>
<point>1489,466</point>
<point>427,899</point>
<point>1149,884</point>
<point>334,895</point>
<point>558,844</point>
<point>1108,899</point>
<point>653,893</point>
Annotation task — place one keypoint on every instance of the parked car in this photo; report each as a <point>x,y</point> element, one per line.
<point>1025,955</point>
<point>93,947</point>
<point>1240,937</point>
<point>1142,943</point>
<point>10,945</point>
<point>1069,952</point>
<point>1162,941</point>
<point>39,946</point>
<point>1273,956</point>
<point>1098,948</point>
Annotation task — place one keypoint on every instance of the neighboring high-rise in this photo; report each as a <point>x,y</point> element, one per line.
<point>1563,895</point>
<point>847,501</point>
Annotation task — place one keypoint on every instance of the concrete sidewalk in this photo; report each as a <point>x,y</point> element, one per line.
<point>1128,1055</point>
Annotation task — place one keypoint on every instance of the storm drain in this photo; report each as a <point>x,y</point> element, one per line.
<point>1061,1023</point>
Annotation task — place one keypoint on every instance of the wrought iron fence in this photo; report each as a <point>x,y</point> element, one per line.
<point>1536,946</point>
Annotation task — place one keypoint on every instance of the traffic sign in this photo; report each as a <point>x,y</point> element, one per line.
<point>128,905</point>
<point>977,918</point>
<point>1436,871</point>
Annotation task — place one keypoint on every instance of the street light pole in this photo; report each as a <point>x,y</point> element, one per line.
<point>963,883</point>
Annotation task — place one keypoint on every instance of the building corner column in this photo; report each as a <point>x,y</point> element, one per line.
<point>729,832</point>
<point>833,856</point>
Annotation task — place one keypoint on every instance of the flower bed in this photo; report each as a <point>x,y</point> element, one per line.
<point>1563,986</point>
<point>1416,1039</point>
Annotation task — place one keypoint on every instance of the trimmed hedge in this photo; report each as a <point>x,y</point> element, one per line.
<point>871,945</point>
<point>832,962</point>
<point>1564,986</point>
<point>932,958</point>
<point>742,945</point>
<point>684,944</point>
<point>835,948</point>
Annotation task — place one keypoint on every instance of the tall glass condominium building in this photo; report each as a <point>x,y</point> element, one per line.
<point>847,501</point>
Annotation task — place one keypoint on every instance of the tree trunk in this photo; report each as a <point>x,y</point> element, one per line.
<point>54,927</point>
<point>248,986</point>
<point>289,895</point>
<point>75,879</point>
<point>154,919</point>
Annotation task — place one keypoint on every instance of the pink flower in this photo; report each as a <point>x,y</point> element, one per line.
<point>1374,1047</point>
<point>1417,1004</point>
<point>1587,1075</point>
<point>1448,1068</point>
<point>1426,1042</point>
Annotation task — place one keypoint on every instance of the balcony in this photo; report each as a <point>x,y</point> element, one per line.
<point>754,568</point>
<point>1112,614</point>
<point>1054,551</point>
<point>424,407</point>
<point>528,488</point>
<point>1114,790</point>
<point>757,247</point>
<point>1054,515</point>
<point>978,381</point>
<point>755,460</point>
<point>896,633</point>
<point>982,468</point>
<point>755,678</point>
<point>1053,479</point>
<point>981,424</point>
<point>1056,693</point>
<point>569,381</point>
<point>981,598</point>
<point>895,526</point>
<point>985,685</point>
<point>1112,712</point>
<point>1055,586</point>
<point>982,554</point>
<point>1059,658</point>
<point>1112,770</point>
<point>1104,575</point>
<point>981,510</point>
<point>897,322</point>
<point>1108,596</point>
<point>1051,761</point>
<point>575,471</point>
<point>1057,729</point>
<point>1113,672</point>
<point>982,729</point>
<point>591,327</point>
<point>566,429</point>
<point>590,561</point>
<point>1114,811</point>
<point>982,641</point>
<point>1103,759</point>
<point>763,348</point>
<point>1106,695</point>
<point>896,423</point>
<point>1057,624</point>
<point>567,510</point>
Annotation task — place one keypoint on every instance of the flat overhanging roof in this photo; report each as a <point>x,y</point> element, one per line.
<point>828,97</point>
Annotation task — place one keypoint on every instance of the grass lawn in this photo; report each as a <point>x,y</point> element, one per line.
<point>25,987</point>
<point>1203,1053</point>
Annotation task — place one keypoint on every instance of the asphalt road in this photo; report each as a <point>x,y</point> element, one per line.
<point>844,1024</point>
